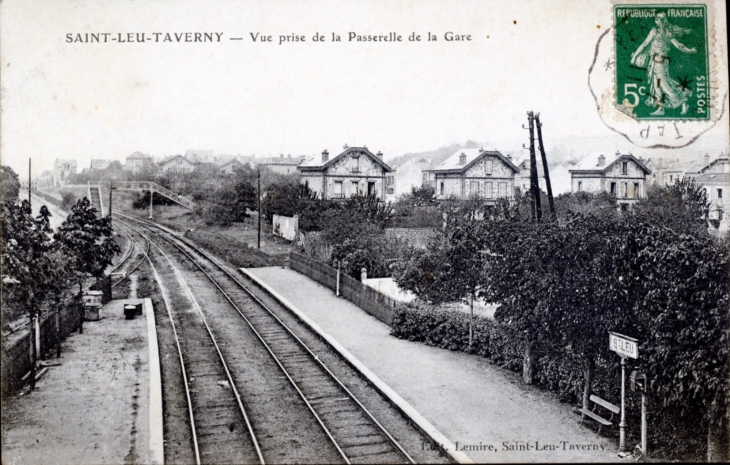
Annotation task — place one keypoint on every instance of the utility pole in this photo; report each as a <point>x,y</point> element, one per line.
<point>29,182</point>
<point>534,186</point>
<point>545,166</point>
<point>110,201</point>
<point>258,197</point>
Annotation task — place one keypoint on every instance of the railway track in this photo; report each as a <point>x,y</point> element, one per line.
<point>215,408</point>
<point>349,427</point>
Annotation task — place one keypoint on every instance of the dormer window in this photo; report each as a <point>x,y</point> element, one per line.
<point>462,159</point>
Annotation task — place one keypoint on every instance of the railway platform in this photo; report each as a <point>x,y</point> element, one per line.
<point>482,410</point>
<point>101,405</point>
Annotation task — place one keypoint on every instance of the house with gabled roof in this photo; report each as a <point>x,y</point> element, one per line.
<point>176,164</point>
<point>137,161</point>
<point>63,168</point>
<point>475,173</point>
<point>622,175</point>
<point>354,172</point>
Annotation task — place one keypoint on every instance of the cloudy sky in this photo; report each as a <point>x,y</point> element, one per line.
<point>107,100</point>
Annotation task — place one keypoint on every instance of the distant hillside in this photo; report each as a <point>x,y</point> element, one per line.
<point>437,156</point>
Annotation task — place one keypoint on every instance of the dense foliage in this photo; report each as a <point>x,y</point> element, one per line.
<point>10,184</point>
<point>86,240</point>
<point>33,270</point>
<point>654,273</point>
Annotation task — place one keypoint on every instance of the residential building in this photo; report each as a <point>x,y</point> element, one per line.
<point>98,164</point>
<point>475,173</point>
<point>199,156</point>
<point>355,171</point>
<point>62,169</point>
<point>411,173</point>
<point>280,164</point>
<point>136,162</point>
<point>176,164</point>
<point>714,177</point>
<point>559,175</point>
<point>665,172</point>
<point>622,175</point>
<point>229,166</point>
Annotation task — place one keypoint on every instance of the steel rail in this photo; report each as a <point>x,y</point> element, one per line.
<point>179,349</point>
<point>190,294</point>
<point>313,356</point>
<point>134,268</point>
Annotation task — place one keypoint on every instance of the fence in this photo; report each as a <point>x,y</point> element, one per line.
<point>378,305</point>
<point>16,350</point>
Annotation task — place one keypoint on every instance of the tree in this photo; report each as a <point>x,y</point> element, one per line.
<point>419,196</point>
<point>683,207</point>
<point>87,241</point>
<point>451,270</point>
<point>10,185</point>
<point>32,273</point>
<point>286,199</point>
<point>676,286</point>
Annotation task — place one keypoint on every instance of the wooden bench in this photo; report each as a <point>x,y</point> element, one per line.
<point>597,401</point>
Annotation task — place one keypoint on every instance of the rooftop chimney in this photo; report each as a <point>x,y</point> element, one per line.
<point>325,156</point>
<point>462,158</point>
<point>707,159</point>
<point>379,154</point>
<point>602,160</point>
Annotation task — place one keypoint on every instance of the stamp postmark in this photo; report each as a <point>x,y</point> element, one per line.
<point>655,72</point>
<point>662,63</point>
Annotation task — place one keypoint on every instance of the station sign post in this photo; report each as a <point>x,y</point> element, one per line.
<point>625,347</point>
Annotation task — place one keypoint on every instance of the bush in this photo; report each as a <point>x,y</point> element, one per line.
<point>68,200</point>
<point>671,435</point>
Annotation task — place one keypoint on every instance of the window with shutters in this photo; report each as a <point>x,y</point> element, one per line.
<point>337,194</point>
<point>502,189</point>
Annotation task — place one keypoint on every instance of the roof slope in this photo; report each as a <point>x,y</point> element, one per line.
<point>452,164</point>
<point>315,163</point>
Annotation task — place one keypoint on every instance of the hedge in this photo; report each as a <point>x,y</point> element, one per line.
<point>670,436</point>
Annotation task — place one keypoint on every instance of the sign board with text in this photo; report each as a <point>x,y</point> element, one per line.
<point>625,346</point>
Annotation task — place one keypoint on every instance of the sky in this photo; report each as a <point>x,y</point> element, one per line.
<point>108,100</point>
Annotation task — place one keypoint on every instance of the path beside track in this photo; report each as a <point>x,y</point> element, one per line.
<point>101,405</point>
<point>472,402</point>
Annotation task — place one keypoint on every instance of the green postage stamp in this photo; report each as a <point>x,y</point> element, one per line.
<point>662,67</point>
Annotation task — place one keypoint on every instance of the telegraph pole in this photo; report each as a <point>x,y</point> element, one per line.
<point>258,197</point>
<point>29,182</point>
<point>534,186</point>
<point>110,202</point>
<point>545,166</point>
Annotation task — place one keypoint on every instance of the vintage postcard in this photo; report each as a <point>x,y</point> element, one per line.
<point>473,231</point>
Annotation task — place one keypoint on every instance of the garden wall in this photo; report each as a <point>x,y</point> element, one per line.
<point>16,347</point>
<point>367,298</point>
